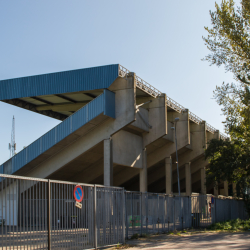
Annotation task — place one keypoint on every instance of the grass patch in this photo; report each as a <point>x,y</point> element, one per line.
<point>134,237</point>
<point>123,246</point>
<point>145,236</point>
<point>232,225</point>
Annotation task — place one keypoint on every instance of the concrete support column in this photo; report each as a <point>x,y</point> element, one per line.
<point>225,188</point>
<point>216,193</point>
<point>144,173</point>
<point>188,179</point>
<point>168,172</point>
<point>203,181</point>
<point>234,190</point>
<point>108,163</point>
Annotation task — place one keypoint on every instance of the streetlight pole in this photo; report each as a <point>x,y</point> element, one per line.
<point>179,189</point>
<point>174,128</point>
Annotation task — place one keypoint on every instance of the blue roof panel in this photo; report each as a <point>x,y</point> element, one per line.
<point>58,83</point>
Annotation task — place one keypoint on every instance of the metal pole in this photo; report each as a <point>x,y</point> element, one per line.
<point>123,215</point>
<point>95,226</point>
<point>177,159</point>
<point>48,216</point>
<point>141,211</point>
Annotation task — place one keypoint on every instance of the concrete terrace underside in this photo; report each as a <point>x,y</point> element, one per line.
<point>115,130</point>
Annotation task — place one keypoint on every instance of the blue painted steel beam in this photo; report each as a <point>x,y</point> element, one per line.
<point>58,83</point>
<point>103,104</point>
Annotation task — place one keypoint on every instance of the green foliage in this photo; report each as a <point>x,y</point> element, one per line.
<point>229,43</point>
<point>232,225</point>
<point>228,39</point>
<point>135,237</point>
<point>145,236</point>
<point>229,161</point>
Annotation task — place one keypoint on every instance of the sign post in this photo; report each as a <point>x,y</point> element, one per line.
<point>78,195</point>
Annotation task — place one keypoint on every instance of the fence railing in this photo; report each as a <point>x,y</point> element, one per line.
<point>43,214</point>
<point>148,213</point>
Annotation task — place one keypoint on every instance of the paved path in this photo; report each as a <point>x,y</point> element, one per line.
<point>196,241</point>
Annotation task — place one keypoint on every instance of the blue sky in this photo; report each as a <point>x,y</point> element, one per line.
<point>160,40</point>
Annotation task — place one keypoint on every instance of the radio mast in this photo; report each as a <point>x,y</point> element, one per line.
<point>12,144</point>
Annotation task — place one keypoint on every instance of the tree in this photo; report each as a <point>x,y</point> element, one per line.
<point>229,43</point>
<point>229,39</point>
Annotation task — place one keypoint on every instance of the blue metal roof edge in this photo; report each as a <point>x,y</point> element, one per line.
<point>60,82</point>
<point>104,103</point>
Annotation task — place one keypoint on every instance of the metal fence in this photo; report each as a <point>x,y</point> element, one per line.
<point>43,214</point>
<point>148,213</point>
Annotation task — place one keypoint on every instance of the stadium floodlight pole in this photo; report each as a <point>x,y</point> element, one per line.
<point>174,128</point>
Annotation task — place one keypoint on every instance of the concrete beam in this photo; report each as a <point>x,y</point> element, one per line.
<point>108,163</point>
<point>141,123</point>
<point>203,181</point>
<point>234,190</point>
<point>157,117</point>
<point>143,173</point>
<point>225,188</point>
<point>168,174</point>
<point>127,149</point>
<point>198,143</point>
<point>188,179</point>
<point>183,133</point>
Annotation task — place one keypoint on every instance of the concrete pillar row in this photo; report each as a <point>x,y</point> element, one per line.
<point>108,162</point>
<point>188,179</point>
<point>203,181</point>
<point>144,172</point>
<point>168,173</point>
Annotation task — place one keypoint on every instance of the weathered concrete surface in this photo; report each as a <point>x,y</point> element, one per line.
<point>168,174</point>
<point>108,163</point>
<point>157,117</point>
<point>196,241</point>
<point>143,173</point>
<point>127,149</point>
<point>188,179</point>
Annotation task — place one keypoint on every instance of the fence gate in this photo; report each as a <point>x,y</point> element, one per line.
<point>202,210</point>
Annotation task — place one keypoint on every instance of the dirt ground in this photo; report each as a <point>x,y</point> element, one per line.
<point>205,240</point>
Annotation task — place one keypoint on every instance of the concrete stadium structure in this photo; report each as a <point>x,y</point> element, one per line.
<point>115,130</point>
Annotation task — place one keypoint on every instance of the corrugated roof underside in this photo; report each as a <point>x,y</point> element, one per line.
<point>58,83</point>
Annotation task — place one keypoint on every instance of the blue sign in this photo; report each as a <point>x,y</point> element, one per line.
<point>212,200</point>
<point>78,193</point>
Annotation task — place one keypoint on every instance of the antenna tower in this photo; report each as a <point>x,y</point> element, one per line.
<point>12,144</point>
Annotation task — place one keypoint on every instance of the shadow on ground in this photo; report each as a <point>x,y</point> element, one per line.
<point>194,241</point>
